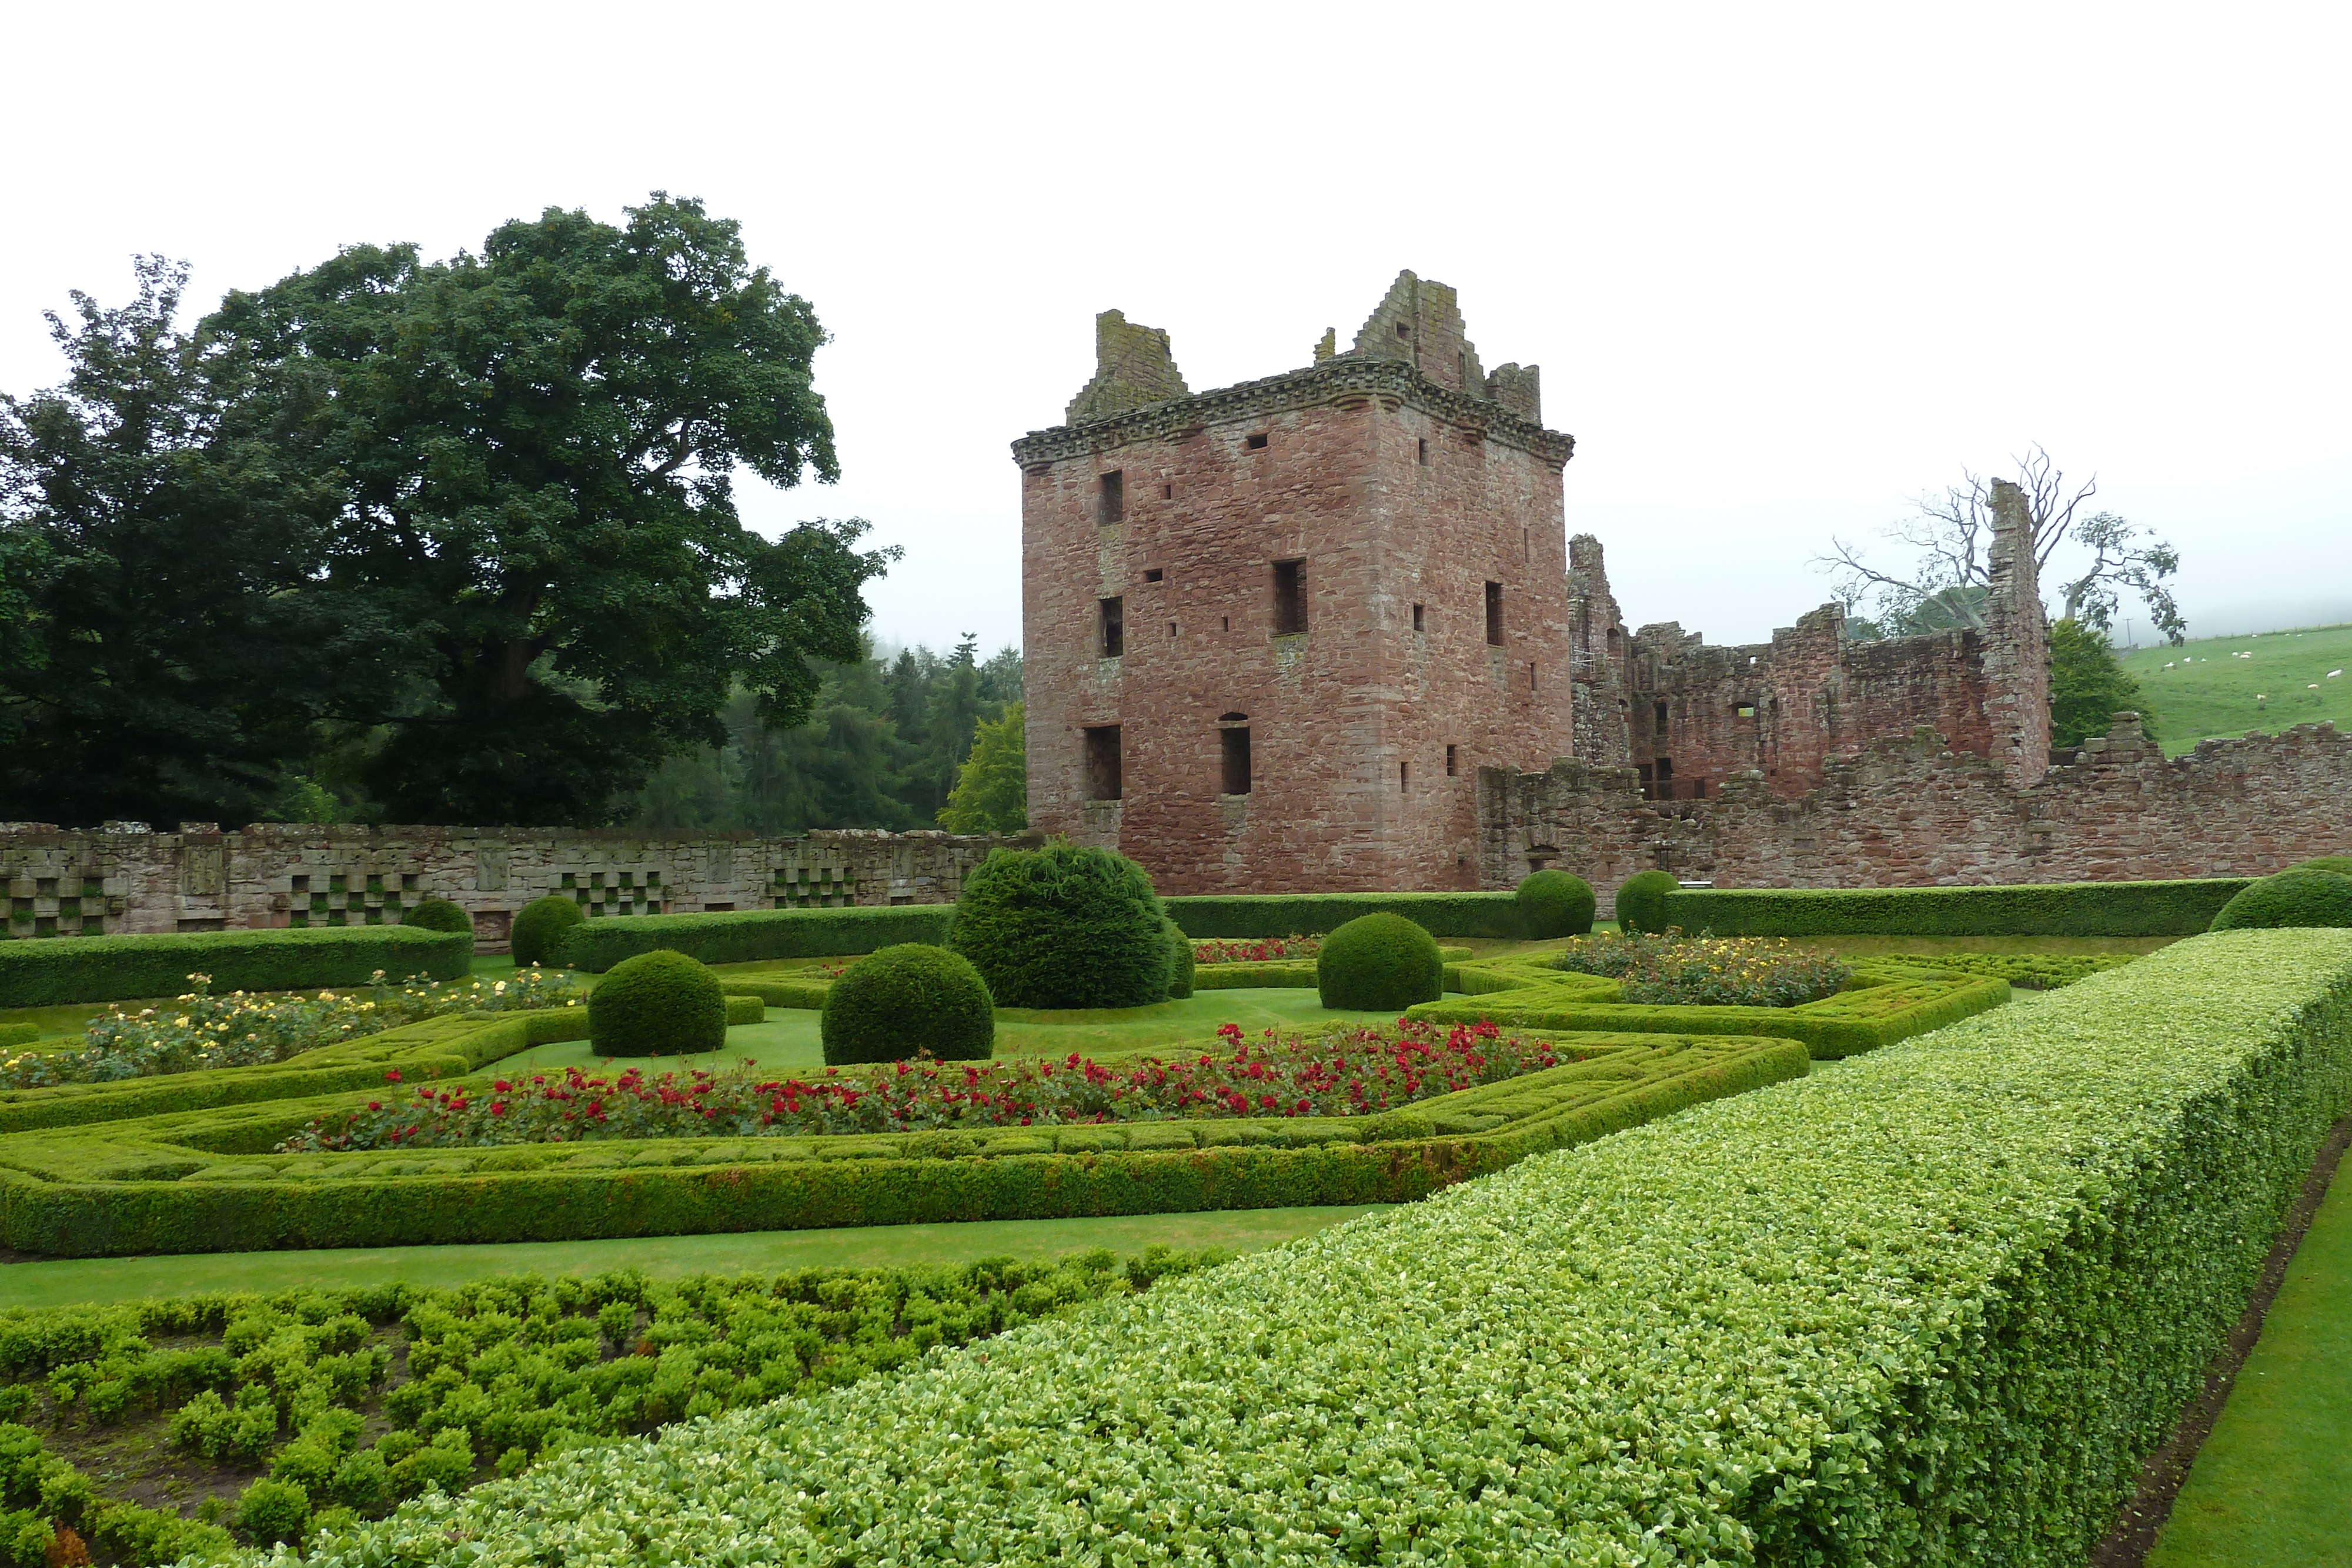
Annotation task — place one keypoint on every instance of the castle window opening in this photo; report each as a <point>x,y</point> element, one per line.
<point>1661,717</point>
<point>1494,614</point>
<point>1166,492</point>
<point>1416,618</point>
<point>1699,789</point>
<point>1531,678</point>
<point>1450,771</point>
<point>1153,573</point>
<point>1256,442</point>
<point>1103,781</point>
<point>1424,444</point>
<point>1114,627</point>
<point>1527,544</point>
<point>1289,598</point>
<point>1171,628</point>
<point>1113,508</point>
<point>1747,710</point>
<point>1403,331</point>
<point>1461,366</point>
<point>1234,740</point>
<point>1404,778</point>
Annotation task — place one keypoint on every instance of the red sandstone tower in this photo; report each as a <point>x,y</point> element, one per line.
<point>1272,631</point>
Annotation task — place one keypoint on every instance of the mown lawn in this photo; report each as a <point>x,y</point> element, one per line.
<point>2202,689</point>
<point>100,1279</point>
<point>2272,1486</point>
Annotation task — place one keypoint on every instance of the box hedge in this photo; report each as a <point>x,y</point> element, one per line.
<point>1934,1308</point>
<point>49,973</point>
<point>2042,909</point>
<point>1316,913</point>
<point>206,1180</point>
<point>745,936</point>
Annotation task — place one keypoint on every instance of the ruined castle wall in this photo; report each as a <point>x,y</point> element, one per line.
<point>127,880</point>
<point>1916,812</point>
<point>1374,480</point>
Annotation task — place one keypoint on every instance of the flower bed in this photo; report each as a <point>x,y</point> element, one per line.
<point>1342,1072</point>
<point>1256,949</point>
<point>200,1030</point>
<point>1708,972</point>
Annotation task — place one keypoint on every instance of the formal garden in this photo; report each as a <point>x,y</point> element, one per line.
<point>1888,1227</point>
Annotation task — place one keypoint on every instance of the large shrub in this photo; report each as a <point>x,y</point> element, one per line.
<point>1555,904</point>
<point>1062,926</point>
<point>904,1000</point>
<point>2340,865</point>
<point>2291,898</point>
<point>439,915</point>
<point>1641,901</point>
<point>658,1004</point>
<point>539,927</point>
<point>1180,962</point>
<point>1379,962</point>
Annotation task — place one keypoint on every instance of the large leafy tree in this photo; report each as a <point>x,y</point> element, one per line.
<point>530,454</point>
<point>2088,684</point>
<point>159,658</point>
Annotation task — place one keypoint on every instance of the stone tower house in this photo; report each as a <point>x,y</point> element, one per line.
<point>1272,630</point>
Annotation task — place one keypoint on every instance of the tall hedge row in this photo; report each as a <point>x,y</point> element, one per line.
<point>1205,915</point>
<point>1933,1308</point>
<point>35,974</point>
<point>745,935</point>
<point>2043,909</point>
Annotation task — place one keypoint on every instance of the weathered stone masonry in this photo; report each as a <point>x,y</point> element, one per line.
<point>1271,632</point>
<point>124,879</point>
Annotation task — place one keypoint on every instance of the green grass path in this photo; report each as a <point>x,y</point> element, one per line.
<point>100,1279</point>
<point>2203,689</point>
<point>2272,1486</point>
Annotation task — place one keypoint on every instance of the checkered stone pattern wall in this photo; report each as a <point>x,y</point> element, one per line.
<point>126,878</point>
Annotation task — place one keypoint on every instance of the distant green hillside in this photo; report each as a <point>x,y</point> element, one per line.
<point>2203,688</point>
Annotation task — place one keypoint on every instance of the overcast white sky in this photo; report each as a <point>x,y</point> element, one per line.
<point>1783,266</point>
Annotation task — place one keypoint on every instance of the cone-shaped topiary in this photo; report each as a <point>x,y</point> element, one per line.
<point>1555,904</point>
<point>900,1000</point>
<point>660,1003</point>
<point>539,928</point>
<point>1641,901</point>
<point>2291,898</point>
<point>1062,926</point>
<point>1179,962</point>
<point>1379,962</point>
<point>439,915</point>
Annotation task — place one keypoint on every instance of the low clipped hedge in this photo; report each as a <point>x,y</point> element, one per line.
<point>906,1000</point>
<point>20,1033</point>
<point>208,1180</point>
<point>1315,913</point>
<point>2042,909</point>
<point>47,973</point>
<point>658,1004</point>
<point>744,936</point>
<point>1378,962</point>
<point>1932,1309</point>
<point>2303,896</point>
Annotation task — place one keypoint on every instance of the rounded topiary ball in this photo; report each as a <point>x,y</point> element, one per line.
<point>1180,962</point>
<point>2340,865</point>
<point>900,1000</point>
<point>1062,926</point>
<point>539,928</point>
<point>1555,904</point>
<point>2290,898</point>
<point>1641,901</point>
<point>658,1004</point>
<point>1376,962</point>
<point>439,915</point>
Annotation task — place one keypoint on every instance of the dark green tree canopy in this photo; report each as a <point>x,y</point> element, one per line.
<point>466,528</point>
<point>2088,685</point>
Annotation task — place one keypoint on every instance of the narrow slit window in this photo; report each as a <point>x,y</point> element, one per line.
<point>1166,492</point>
<point>1531,677</point>
<point>1494,614</point>
<point>1114,627</point>
<point>1113,506</point>
<point>1103,781</point>
<point>1418,623</point>
<point>1234,739</point>
<point>1404,778</point>
<point>1424,444</point>
<point>1258,443</point>
<point>1450,764</point>
<point>1171,628</point>
<point>1289,598</point>
<point>1228,620</point>
<point>1661,711</point>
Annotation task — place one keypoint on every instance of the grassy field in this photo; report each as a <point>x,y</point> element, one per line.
<point>2203,689</point>
<point>2272,1486</point>
<point>100,1279</point>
